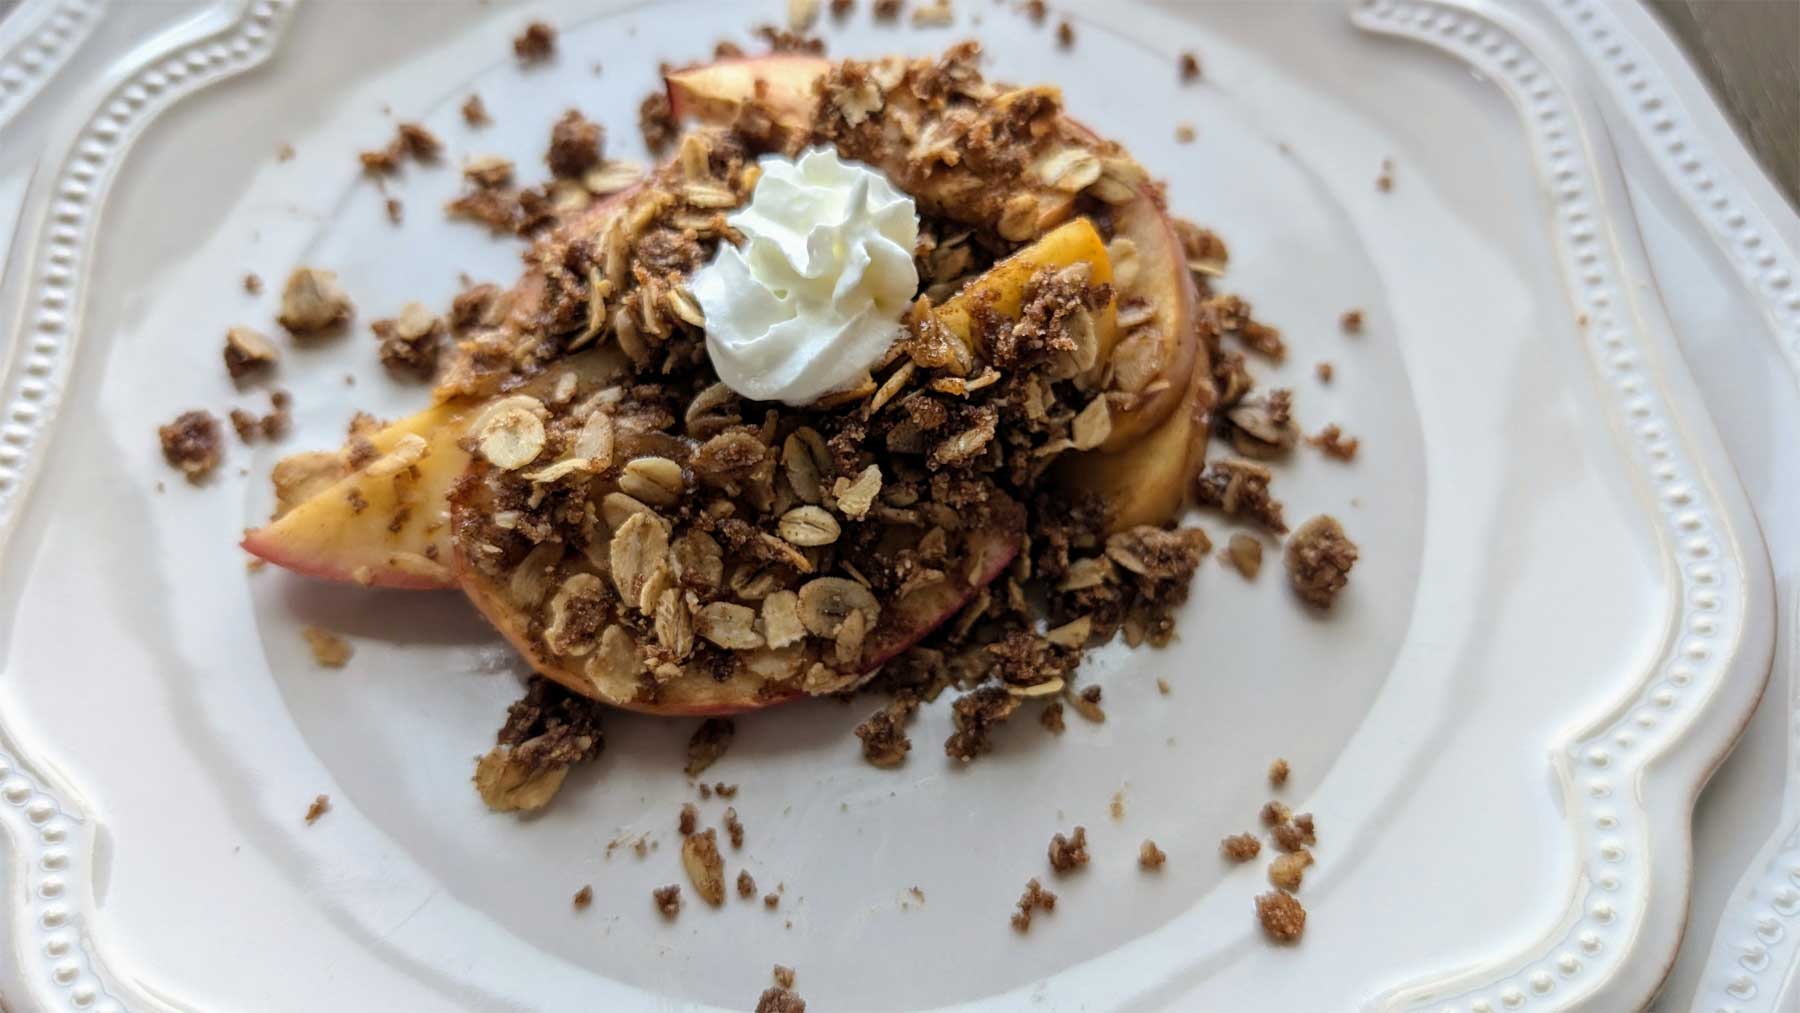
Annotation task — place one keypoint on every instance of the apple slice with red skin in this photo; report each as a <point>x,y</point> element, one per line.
<point>392,531</point>
<point>714,92</point>
<point>697,693</point>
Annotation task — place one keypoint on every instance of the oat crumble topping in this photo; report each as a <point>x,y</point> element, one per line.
<point>1240,847</point>
<point>1190,67</point>
<point>708,743</point>
<point>1282,917</point>
<point>1351,321</point>
<point>1286,871</point>
<point>667,900</point>
<point>780,1000</point>
<point>1150,856</point>
<point>784,976</point>
<point>1332,441</point>
<point>689,819</point>
<point>583,897</point>
<point>1069,853</point>
<point>1035,898</point>
<point>474,111</point>
<point>1244,553</point>
<point>1324,371</point>
<point>704,865</point>
<point>1278,772</point>
<point>191,444</point>
<point>1319,557</point>
<point>253,283</point>
<point>535,44</point>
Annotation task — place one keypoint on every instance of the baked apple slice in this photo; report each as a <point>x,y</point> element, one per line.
<point>385,522</point>
<point>1000,290</point>
<point>660,619</point>
<point>715,92</point>
<point>1159,349</point>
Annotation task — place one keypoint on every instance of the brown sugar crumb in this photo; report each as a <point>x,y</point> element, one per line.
<point>312,300</point>
<point>1278,772</point>
<point>419,142</point>
<point>734,829</point>
<point>883,735</point>
<point>248,350</point>
<point>1065,35</point>
<point>536,43</point>
<point>410,341</point>
<point>668,900</point>
<point>1244,552</point>
<point>1035,898</point>
<point>1351,321</point>
<point>1385,181</point>
<point>1319,558</point>
<point>771,900</point>
<point>784,976</point>
<point>1240,847</point>
<point>328,649</point>
<point>1324,371</point>
<point>1274,813</point>
<point>1289,837</point>
<point>746,884</point>
<point>253,283</point>
<point>1069,853</point>
<point>320,806</point>
<point>576,143</point>
<point>1190,67</point>
<point>689,819</point>
<point>1052,717</point>
<point>704,865</point>
<point>1286,871</point>
<point>474,112</point>
<point>1334,443</point>
<point>583,897</point>
<point>780,1000</point>
<point>1036,10</point>
<point>1282,917</point>
<point>888,10</point>
<point>708,743</point>
<point>1150,856</point>
<point>656,121</point>
<point>1185,133</point>
<point>976,716</point>
<point>191,444</point>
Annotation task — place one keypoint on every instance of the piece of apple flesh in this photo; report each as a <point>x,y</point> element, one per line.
<point>715,92</point>
<point>392,530</point>
<point>766,678</point>
<point>1000,290</point>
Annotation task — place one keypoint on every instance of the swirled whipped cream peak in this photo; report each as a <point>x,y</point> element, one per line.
<point>814,295</point>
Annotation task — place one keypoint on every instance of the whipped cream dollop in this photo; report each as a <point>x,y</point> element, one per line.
<point>815,294</point>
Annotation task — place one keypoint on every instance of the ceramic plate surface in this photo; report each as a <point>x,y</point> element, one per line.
<point>1561,619</point>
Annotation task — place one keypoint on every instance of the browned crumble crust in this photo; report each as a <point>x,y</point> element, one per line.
<point>1190,67</point>
<point>191,444</point>
<point>535,44</point>
<point>1282,917</point>
<point>583,897</point>
<point>976,716</point>
<point>576,145</point>
<point>410,341</point>
<point>883,735</point>
<point>381,161</point>
<point>1261,424</point>
<point>1351,321</point>
<point>547,731</point>
<point>1240,488</point>
<point>253,283</point>
<point>474,111</point>
<point>1240,847</point>
<point>689,819</point>
<point>656,121</point>
<point>780,1000</point>
<point>1069,853</point>
<point>320,805</point>
<point>746,884</point>
<point>1150,856</point>
<point>1319,558</point>
<point>1286,871</point>
<point>668,900</point>
<point>312,301</point>
<point>488,172</point>
<point>1332,441</point>
<point>1288,837</point>
<point>784,976</point>
<point>1035,898</point>
<point>1278,772</point>
<point>248,350</point>
<point>1274,813</point>
<point>708,743</point>
<point>733,829</point>
<point>782,40</point>
<point>704,865</point>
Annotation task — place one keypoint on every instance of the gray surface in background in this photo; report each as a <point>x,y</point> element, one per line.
<point>1749,53</point>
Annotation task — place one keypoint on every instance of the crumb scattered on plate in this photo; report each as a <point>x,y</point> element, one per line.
<point>320,805</point>
<point>1282,917</point>
<point>1069,853</point>
<point>1150,856</point>
<point>1240,847</point>
<point>328,649</point>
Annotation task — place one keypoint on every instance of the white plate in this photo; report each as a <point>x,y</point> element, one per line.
<point>1561,619</point>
